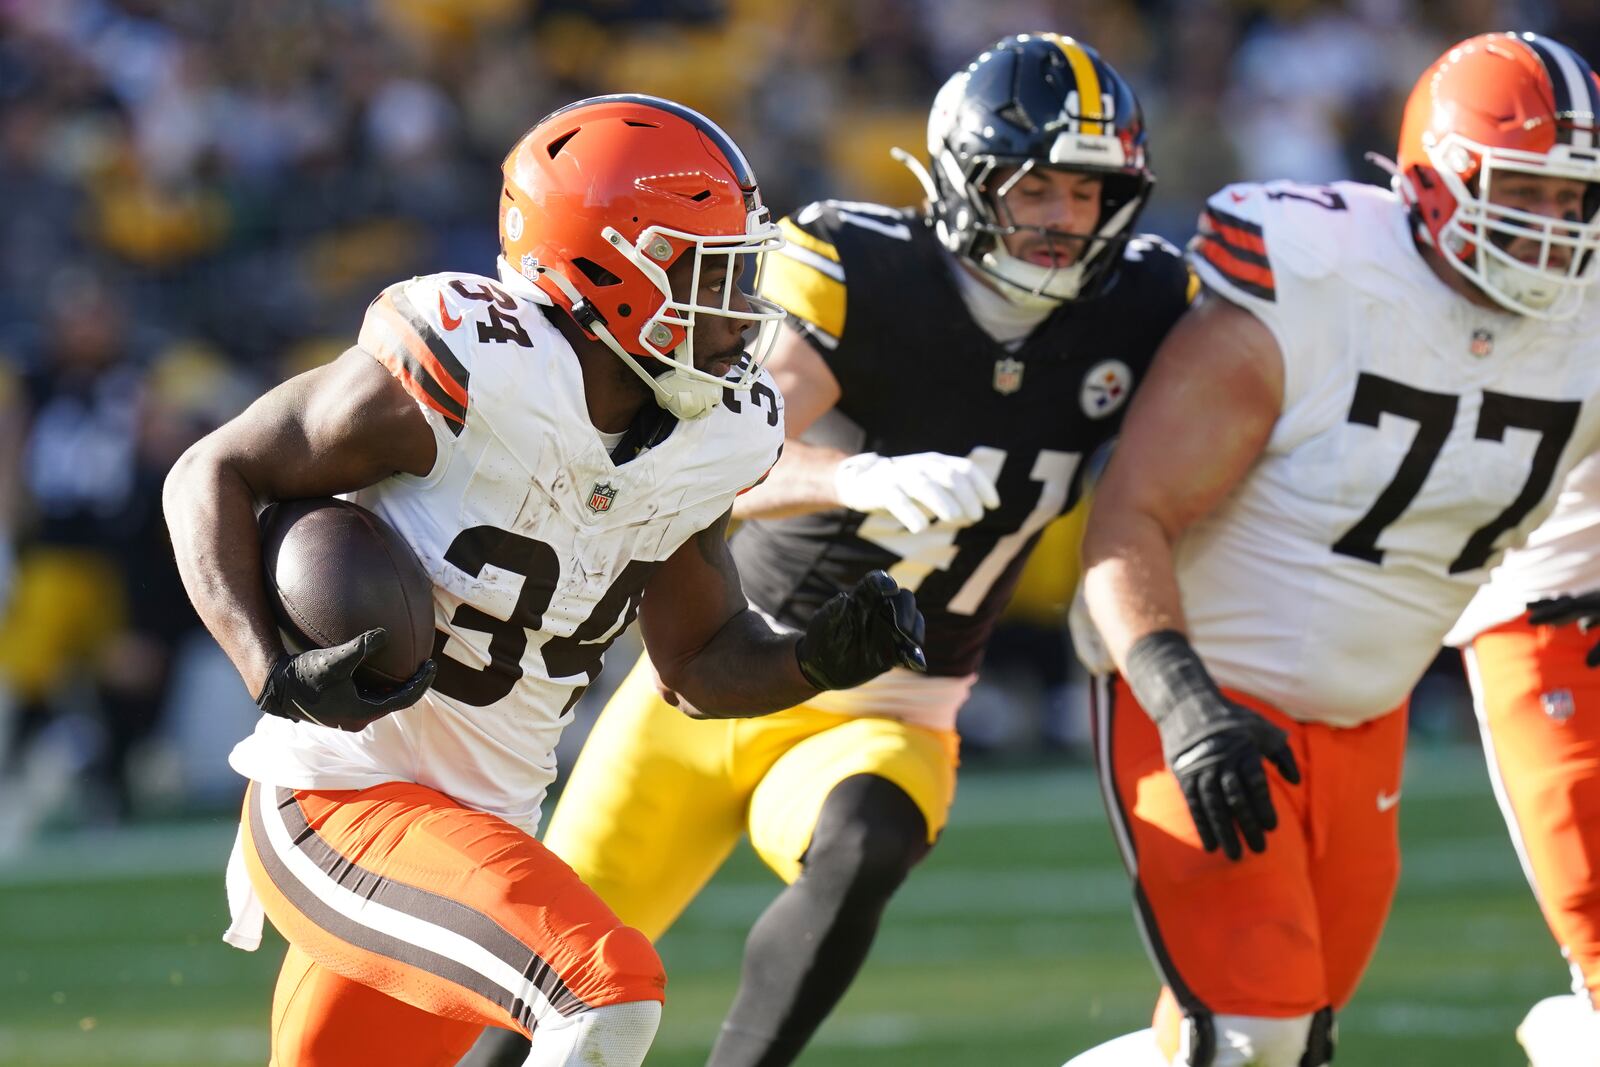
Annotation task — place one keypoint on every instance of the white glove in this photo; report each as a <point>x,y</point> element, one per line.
<point>950,488</point>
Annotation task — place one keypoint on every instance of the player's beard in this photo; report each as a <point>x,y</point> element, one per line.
<point>722,363</point>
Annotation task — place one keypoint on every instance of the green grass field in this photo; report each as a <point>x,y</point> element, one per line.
<point>1012,945</point>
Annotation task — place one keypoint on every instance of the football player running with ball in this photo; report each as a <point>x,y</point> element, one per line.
<point>1530,657</point>
<point>948,372</point>
<point>560,448</point>
<point>1379,393</point>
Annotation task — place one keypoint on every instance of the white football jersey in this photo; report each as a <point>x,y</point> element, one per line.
<point>1561,557</point>
<point>538,545</point>
<point>1420,436</point>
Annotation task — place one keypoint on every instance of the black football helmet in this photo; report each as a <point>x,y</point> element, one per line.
<point>1034,100</point>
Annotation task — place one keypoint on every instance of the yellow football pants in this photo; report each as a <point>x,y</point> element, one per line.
<point>657,800</point>
<point>66,604</point>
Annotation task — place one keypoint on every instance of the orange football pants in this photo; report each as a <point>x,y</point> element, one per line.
<point>414,922</point>
<point>1278,934</point>
<point>1539,711</point>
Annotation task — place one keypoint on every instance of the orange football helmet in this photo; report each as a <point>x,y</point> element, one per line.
<point>601,197</point>
<point>1505,102</point>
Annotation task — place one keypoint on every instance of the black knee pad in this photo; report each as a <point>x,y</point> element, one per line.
<point>869,835</point>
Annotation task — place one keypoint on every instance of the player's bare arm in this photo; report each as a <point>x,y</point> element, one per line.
<point>1204,416</point>
<point>725,660</point>
<point>1193,431</point>
<point>333,429</point>
<point>915,489</point>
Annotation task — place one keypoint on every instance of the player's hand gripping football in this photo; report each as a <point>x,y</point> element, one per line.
<point>911,488</point>
<point>1581,608</point>
<point>318,686</point>
<point>858,635</point>
<point>1214,746</point>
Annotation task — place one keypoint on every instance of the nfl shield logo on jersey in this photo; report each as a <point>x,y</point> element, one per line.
<point>1007,375</point>
<point>1105,388</point>
<point>601,496</point>
<point>1482,343</point>
<point>1557,704</point>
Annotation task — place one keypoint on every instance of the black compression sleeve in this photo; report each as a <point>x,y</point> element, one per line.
<point>1167,677</point>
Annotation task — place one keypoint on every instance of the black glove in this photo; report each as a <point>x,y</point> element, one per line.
<point>858,635</point>
<point>1214,746</point>
<point>1583,609</point>
<point>317,686</point>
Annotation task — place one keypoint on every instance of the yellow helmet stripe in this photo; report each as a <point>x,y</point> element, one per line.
<point>1088,79</point>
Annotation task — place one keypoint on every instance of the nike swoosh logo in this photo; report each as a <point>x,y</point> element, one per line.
<point>444,315</point>
<point>301,708</point>
<point>1387,801</point>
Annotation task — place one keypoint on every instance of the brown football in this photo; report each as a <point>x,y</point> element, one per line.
<point>335,570</point>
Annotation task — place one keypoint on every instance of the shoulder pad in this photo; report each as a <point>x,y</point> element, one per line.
<point>750,426</point>
<point>806,277</point>
<point>1250,233</point>
<point>407,329</point>
<point>827,240</point>
<point>833,220</point>
<point>427,332</point>
<point>1158,263</point>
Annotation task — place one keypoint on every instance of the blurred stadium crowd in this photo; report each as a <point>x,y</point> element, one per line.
<point>199,198</point>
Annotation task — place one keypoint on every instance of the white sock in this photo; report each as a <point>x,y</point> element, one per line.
<point>1130,1050</point>
<point>617,1035</point>
<point>1561,1031</point>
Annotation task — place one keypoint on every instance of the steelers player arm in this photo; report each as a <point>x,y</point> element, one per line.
<point>720,659</point>
<point>333,429</point>
<point>813,365</point>
<point>1192,434</point>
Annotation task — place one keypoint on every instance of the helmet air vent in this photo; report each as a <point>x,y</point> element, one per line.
<point>596,274</point>
<point>559,143</point>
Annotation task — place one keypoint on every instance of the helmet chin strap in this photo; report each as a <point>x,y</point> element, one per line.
<point>681,395</point>
<point>1050,285</point>
<point>1034,286</point>
<point>1527,290</point>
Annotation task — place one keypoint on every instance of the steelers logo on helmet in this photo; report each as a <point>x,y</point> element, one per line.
<point>1029,105</point>
<point>1105,388</point>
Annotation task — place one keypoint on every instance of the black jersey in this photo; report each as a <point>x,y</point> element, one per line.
<point>872,289</point>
